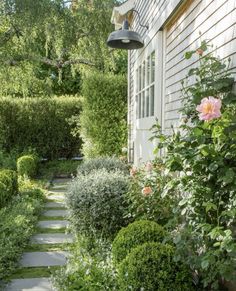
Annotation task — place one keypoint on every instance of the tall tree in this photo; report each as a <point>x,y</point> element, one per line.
<point>45,43</point>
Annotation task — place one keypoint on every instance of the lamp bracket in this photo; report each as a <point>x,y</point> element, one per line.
<point>139,17</point>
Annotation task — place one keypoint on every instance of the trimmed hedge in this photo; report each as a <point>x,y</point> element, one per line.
<point>103,121</point>
<point>109,163</point>
<point>8,186</point>
<point>135,234</point>
<point>151,267</point>
<point>41,124</point>
<point>27,166</point>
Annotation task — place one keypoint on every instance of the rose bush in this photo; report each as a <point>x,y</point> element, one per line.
<point>203,151</point>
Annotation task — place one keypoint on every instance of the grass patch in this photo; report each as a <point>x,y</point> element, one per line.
<point>46,247</point>
<point>42,218</point>
<point>51,230</point>
<point>33,272</point>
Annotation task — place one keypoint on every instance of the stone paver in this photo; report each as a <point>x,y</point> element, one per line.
<point>56,213</point>
<point>51,238</point>
<point>61,180</point>
<point>53,224</point>
<point>57,197</point>
<point>54,204</point>
<point>36,284</point>
<point>56,191</point>
<point>44,259</point>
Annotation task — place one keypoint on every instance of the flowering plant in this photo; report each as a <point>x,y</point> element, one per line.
<point>203,151</point>
<point>144,195</point>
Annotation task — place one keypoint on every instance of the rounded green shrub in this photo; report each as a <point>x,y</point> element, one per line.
<point>151,267</point>
<point>135,234</point>
<point>27,166</point>
<point>108,163</point>
<point>8,186</point>
<point>97,202</point>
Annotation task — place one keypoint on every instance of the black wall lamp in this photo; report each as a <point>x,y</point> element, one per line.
<point>125,38</point>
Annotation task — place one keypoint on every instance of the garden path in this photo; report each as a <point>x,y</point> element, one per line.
<point>46,249</point>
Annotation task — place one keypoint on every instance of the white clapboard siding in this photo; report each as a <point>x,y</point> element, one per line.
<point>216,20</point>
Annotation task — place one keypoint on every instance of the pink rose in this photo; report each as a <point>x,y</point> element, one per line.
<point>146,191</point>
<point>199,52</point>
<point>133,171</point>
<point>148,167</point>
<point>209,108</point>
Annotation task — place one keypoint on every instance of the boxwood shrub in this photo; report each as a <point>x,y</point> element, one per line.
<point>41,124</point>
<point>8,186</point>
<point>135,234</point>
<point>97,203</point>
<point>108,163</point>
<point>151,267</point>
<point>27,165</point>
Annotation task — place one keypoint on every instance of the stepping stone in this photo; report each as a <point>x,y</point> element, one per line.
<point>54,224</point>
<point>44,259</point>
<point>60,187</point>
<point>56,197</point>
<point>56,213</point>
<point>36,284</point>
<point>54,204</point>
<point>56,191</point>
<point>51,238</point>
<point>62,181</point>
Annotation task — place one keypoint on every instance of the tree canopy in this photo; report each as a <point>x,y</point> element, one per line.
<point>45,44</point>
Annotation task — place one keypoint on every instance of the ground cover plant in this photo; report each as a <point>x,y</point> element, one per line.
<point>203,151</point>
<point>17,221</point>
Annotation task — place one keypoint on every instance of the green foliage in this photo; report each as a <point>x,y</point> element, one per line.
<point>151,267</point>
<point>27,166</point>
<point>40,124</point>
<point>45,45</point>
<point>152,206</point>
<point>97,204</point>
<point>103,125</point>
<point>16,226</point>
<point>8,160</point>
<point>135,234</point>
<point>55,168</point>
<point>204,152</point>
<point>111,164</point>
<point>8,186</point>
<point>86,271</point>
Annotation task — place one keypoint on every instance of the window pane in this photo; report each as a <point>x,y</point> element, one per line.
<point>144,75</point>
<point>152,101</point>
<point>143,104</point>
<point>139,105</point>
<point>139,79</point>
<point>148,71</point>
<point>152,67</point>
<point>147,103</point>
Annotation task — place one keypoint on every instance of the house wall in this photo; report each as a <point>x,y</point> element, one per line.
<point>181,25</point>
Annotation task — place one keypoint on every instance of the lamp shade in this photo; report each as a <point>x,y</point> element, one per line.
<point>125,39</point>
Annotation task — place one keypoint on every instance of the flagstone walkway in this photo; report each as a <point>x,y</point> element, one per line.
<point>51,231</point>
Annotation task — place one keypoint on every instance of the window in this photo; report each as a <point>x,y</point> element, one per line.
<point>145,80</point>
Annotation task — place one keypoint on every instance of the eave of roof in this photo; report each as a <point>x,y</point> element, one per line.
<point>119,13</point>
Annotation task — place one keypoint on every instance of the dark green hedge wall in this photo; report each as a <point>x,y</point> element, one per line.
<point>40,124</point>
<point>104,117</point>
